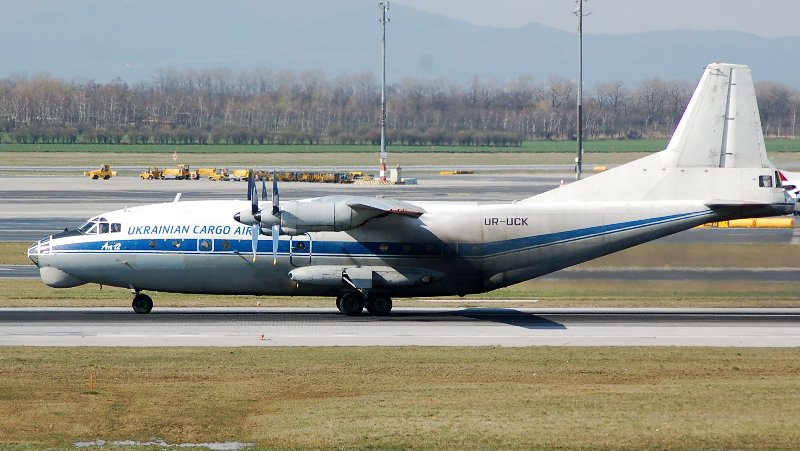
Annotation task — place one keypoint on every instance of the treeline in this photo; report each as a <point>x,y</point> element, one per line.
<point>265,107</point>
<point>68,134</point>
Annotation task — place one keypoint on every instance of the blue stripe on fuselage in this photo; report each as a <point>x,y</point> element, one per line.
<point>369,248</point>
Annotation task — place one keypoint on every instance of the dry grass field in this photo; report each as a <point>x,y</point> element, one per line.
<point>278,160</point>
<point>452,398</point>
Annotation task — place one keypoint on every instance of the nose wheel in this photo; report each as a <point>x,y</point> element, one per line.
<point>142,303</point>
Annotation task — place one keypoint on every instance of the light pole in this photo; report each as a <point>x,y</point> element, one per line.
<point>579,157</point>
<point>384,6</point>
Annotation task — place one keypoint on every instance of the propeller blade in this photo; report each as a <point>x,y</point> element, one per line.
<point>254,199</point>
<point>256,230</point>
<point>276,236</point>
<point>250,183</point>
<point>264,195</point>
<point>276,207</point>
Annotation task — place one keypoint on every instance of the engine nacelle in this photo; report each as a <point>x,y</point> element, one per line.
<point>299,217</point>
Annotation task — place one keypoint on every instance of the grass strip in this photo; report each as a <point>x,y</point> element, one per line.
<point>470,398</point>
<point>280,160</point>
<point>14,253</point>
<point>535,293</point>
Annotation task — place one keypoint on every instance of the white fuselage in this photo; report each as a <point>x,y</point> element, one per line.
<point>197,247</point>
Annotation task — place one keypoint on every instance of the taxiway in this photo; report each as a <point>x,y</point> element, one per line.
<point>405,327</point>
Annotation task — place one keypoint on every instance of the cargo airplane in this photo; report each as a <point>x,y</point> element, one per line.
<point>364,251</point>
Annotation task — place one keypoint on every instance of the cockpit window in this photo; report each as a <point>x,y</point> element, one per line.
<point>99,225</point>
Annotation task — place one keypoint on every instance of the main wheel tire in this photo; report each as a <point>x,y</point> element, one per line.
<point>142,303</point>
<point>380,305</point>
<point>339,303</point>
<point>351,304</point>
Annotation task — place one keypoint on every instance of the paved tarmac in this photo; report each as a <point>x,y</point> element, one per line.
<point>405,327</point>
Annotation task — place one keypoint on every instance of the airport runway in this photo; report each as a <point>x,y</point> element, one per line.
<point>405,327</point>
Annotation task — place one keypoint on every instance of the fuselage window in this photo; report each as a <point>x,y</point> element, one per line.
<point>765,181</point>
<point>226,244</point>
<point>176,244</point>
<point>205,245</point>
<point>152,244</point>
<point>116,227</point>
<point>104,227</point>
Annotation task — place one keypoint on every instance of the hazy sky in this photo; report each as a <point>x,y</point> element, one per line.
<point>767,18</point>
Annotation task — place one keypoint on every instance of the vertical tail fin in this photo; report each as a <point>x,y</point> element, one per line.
<point>717,152</point>
<point>721,126</point>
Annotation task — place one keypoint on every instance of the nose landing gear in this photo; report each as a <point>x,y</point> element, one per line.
<point>142,303</point>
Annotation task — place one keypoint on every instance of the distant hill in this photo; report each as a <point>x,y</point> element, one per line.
<point>131,39</point>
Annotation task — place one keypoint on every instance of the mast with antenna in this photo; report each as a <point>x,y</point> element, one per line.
<point>384,6</point>
<point>579,157</point>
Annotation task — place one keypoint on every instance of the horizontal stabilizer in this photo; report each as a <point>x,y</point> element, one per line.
<point>720,203</point>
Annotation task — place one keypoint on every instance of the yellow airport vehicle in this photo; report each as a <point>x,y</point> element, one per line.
<point>455,172</point>
<point>150,173</point>
<point>239,174</point>
<point>213,174</point>
<point>180,172</point>
<point>104,173</point>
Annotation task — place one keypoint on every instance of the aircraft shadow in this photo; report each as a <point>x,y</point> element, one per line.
<point>510,317</point>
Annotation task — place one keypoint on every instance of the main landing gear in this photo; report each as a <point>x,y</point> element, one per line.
<point>142,303</point>
<point>352,303</point>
